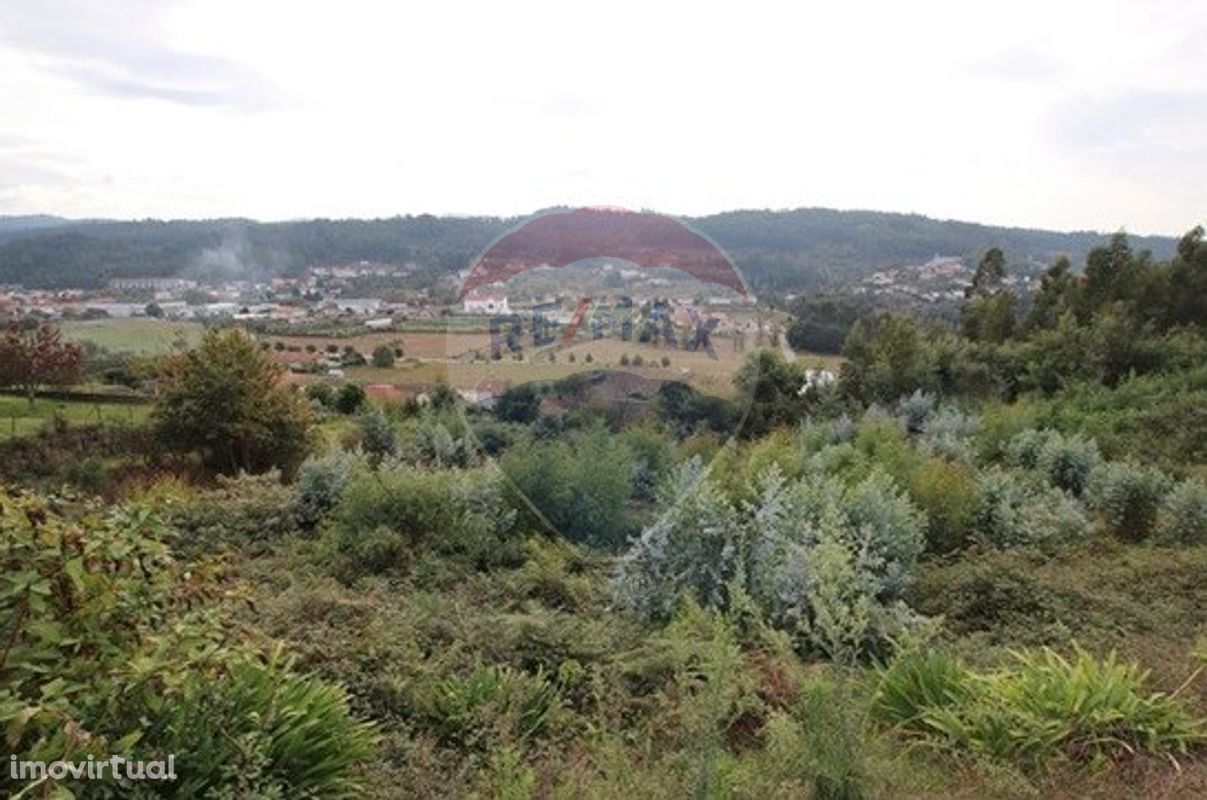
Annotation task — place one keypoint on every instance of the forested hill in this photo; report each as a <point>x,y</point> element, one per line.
<point>804,248</point>
<point>9,225</point>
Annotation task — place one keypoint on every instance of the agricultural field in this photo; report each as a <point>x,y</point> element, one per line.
<point>18,418</point>
<point>141,336</point>
<point>423,345</point>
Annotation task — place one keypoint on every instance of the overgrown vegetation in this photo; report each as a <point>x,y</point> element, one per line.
<point>949,575</point>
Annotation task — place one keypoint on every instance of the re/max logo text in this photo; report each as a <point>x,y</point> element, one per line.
<point>653,324</point>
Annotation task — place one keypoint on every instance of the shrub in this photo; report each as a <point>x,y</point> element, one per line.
<point>884,444</point>
<point>321,483</point>
<point>321,393</point>
<point>947,493</point>
<point>492,705</point>
<point>891,530</point>
<point>274,732</point>
<point>580,485</point>
<point>824,562</point>
<point>999,424</point>
<point>948,432</point>
<point>1182,518</point>
<point>916,684</point>
<point>652,458</point>
<point>1128,497</point>
<point>377,433</point>
<point>350,398</point>
<point>1024,449</point>
<point>691,551</point>
<point>1040,707</point>
<point>495,437</point>
<point>383,357</point>
<point>814,435</point>
<point>820,746</point>
<point>115,647</point>
<point>225,401</point>
<point>915,410</point>
<point>1068,461</point>
<point>1015,510</point>
<point>388,516</point>
<point>431,442</point>
<point>521,404</point>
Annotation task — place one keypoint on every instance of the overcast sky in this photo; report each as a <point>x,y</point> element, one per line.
<point>1048,114</point>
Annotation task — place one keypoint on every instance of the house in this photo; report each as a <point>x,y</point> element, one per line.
<point>164,285</point>
<point>486,303</point>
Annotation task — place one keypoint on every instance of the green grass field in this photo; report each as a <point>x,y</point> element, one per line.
<point>142,336</point>
<point>19,419</point>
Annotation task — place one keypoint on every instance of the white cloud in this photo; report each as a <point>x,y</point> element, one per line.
<point>286,109</point>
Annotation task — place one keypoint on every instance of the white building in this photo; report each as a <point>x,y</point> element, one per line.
<point>153,284</point>
<point>476,303</point>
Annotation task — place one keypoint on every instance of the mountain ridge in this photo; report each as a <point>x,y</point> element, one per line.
<point>776,249</point>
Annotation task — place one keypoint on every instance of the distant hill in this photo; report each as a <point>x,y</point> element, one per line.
<point>776,250</point>
<point>10,225</point>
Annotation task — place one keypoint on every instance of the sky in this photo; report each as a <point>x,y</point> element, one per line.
<point>1062,115</point>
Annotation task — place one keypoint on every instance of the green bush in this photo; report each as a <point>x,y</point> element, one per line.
<point>383,357</point>
<point>1182,518</point>
<point>1017,509</point>
<point>1038,708</point>
<point>266,731</point>
<point>825,562</point>
<point>521,404</point>
<point>693,550</point>
<point>492,705</point>
<point>322,394</point>
<point>225,401</point>
<point>1128,496</point>
<point>820,745</point>
<point>652,459</point>
<point>915,410</point>
<point>1023,450</point>
<point>947,493</point>
<point>884,444</point>
<point>321,482</point>
<point>387,517</point>
<point>917,683</point>
<point>580,485</point>
<point>350,398</point>
<point>999,425</point>
<point>949,432</point>
<point>114,647</point>
<point>377,435</point>
<point>1066,461</point>
<point>429,441</point>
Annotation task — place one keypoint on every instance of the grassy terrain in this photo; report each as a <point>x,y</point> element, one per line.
<point>143,336</point>
<point>18,418</point>
<point>696,709</point>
